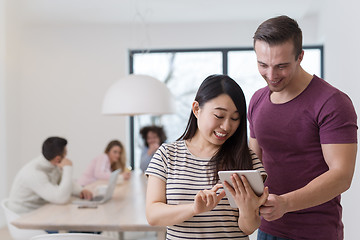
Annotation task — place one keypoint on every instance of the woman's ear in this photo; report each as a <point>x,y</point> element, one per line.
<point>195,108</point>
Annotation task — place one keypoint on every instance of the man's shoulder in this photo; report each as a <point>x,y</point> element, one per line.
<point>28,175</point>
<point>261,92</point>
<point>326,88</point>
<point>324,92</point>
<point>258,96</point>
<point>35,167</point>
<point>30,164</point>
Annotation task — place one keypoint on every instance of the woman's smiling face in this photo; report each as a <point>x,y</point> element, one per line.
<point>217,119</point>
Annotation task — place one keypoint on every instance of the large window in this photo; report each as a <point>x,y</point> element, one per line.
<point>184,70</point>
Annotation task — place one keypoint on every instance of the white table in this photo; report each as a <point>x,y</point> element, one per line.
<point>124,212</point>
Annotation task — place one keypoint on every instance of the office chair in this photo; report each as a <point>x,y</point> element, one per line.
<point>17,233</point>
<point>71,236</point>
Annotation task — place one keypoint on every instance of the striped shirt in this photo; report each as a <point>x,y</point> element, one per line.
<point>185,175</point>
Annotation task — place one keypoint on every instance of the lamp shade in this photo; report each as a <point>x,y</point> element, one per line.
<point>138,94</point>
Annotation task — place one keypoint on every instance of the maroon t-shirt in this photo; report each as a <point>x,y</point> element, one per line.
<point>290,136</point>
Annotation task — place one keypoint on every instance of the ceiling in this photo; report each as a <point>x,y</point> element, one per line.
<point>159,11</point>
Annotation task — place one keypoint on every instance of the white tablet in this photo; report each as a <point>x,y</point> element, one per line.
<point>253,176</point>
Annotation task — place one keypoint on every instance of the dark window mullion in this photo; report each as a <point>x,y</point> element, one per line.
<point>225,61</point>
<point>131,119</point>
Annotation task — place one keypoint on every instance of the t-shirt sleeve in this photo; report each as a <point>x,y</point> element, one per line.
<point>258,95</point>
<point>337,120</point>
<point>158,164</point>
<point>257,165</point>
<point>249,116</point>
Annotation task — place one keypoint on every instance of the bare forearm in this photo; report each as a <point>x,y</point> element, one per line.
<point>248,224</point>
<point>161,214</point>
<point>320,190</point>
<point>340,159</point>
<point>254,146</point>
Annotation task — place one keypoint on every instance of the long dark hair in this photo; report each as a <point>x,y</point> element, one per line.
<point>234,153</point>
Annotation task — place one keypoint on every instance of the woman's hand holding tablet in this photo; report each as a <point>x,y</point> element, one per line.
<point>253,177</point>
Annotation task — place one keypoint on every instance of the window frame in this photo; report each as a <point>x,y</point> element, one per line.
<point>224,52</point>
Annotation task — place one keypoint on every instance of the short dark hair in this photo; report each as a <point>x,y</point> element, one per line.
<point>155,129</point>
<point>234,154</point>
<point>53,146</point>
<point>279,30</point>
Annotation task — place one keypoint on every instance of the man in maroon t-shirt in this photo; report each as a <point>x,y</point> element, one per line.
<point>305,132</point>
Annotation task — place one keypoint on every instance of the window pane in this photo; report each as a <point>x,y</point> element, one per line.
<point>242,67</point>
<point>312,61</point>
<point>183,73</point>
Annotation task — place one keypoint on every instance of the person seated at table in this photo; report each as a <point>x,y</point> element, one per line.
<point>102,166</point>
<point>45,179</point>
<point>153,137</point>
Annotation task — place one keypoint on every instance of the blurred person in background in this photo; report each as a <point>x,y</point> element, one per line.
<point>46,179</point>
<point>101,167</point>
<point>153,137</point>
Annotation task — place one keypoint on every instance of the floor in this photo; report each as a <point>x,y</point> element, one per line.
<point>4,235</point>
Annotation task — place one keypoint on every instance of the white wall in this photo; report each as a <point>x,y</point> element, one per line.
<point>64,71</point>
<point>3,164</point>
<point>339,26</point>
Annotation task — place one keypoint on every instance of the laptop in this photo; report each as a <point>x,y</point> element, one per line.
<point>99,199</point>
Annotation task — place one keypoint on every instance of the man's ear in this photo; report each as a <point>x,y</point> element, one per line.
<point>195,108</point>
<point>301,56</point>
<point>56,160</point>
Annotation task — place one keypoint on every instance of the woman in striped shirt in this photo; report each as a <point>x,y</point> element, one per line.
<point>183,191</point>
